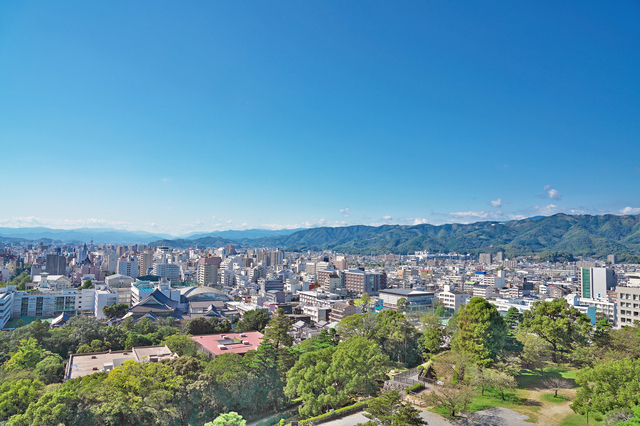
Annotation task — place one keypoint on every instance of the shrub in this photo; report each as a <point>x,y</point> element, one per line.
<point>415,388</point>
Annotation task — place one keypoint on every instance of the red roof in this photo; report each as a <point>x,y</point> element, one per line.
<point>239,343</point>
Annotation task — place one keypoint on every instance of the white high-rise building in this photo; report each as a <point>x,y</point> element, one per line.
<point>128,266</point>
<point>594,282</point>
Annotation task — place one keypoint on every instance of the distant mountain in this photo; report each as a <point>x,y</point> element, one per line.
<point>583,235</point>
<point>99,235</point>
<point>199,242</point>
<point>241,235</point>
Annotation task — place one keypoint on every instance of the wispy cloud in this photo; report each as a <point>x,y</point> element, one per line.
<point>496,203</point>
<point>551,193</point>
<point>345,212</point>
<point>33,221</point>
<point>387,217</point>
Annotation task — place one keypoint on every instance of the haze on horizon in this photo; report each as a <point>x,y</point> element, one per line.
<point>177,118</point>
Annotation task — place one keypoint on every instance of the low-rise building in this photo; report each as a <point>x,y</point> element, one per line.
<point>80,365</point>
<point>341,310</point>
<point>415,300</point>
<point>213,345</point>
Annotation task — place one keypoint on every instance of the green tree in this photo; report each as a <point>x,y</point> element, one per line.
<point>50,369</point>
<point>357,325</point>
<point>389,410</point>
<point>16,396</point>
<point>87,284</point>
<point>26,357</point>
<point>398,338</point>
<point>253,321</point>
<point>561,325</point>
<point>181,344</point>
<point>433,335</point>
<point>198,326</point>
<point>118,310</point>
<point>608,386</point>
<point>277,331</point>
<point>402,305</point>
<point>228,419</point>
<point>333,377</point>
<point>481,331</point>
<point>535,350</point>
<point>513,318</point>
<point>633,421</point>
<point>136,393</point>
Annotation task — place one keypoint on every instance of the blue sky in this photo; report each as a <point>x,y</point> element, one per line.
<point>197,116</point>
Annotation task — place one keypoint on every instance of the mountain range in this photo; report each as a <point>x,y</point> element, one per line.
<point>119,236</point>
<point>581,235</point>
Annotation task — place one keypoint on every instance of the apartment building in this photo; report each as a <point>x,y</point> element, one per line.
<point>359,281</point>
<point>628,305</point>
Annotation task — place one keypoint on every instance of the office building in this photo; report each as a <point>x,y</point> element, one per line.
<point>128,266</point>
<point>594,282</point>
<point>56,265</point>
<point>208,271</point>
<point>359,281</point>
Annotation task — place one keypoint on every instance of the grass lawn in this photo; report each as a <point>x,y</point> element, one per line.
<point>528,379</point>
<point>578,420</point>
<point>492,398</point>
<point>549,398</point>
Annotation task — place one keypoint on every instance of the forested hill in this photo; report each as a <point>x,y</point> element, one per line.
<point>576,234</point>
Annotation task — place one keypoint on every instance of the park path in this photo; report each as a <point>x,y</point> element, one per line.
<point>497,416</point>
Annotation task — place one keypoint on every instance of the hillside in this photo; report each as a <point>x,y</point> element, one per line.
<point>583,235</point>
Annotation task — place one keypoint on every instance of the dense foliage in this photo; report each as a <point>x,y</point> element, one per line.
<point>553,236</point>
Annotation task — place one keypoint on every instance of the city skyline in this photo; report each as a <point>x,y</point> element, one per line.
<point>171,119</point>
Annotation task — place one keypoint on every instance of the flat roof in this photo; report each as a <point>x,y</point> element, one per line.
<point>406,292</point>
<point>239,343</point>
<point>94,362</point>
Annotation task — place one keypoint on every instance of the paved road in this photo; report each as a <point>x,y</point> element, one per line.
<point>491,417</point>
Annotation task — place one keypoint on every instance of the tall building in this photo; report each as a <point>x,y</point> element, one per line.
<point>231,249</point>
<point>499,257</point>
<point>128,266</point>
<point>612,259</point>
<point>485,258</point>
<point>276,257</point>
<point>208,271</point>
<point>594,282</point>
<point>56,265</point>
<point>171,271</point>
<point>145,262</point>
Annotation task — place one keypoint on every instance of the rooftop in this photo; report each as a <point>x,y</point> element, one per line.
<point>84,364</point>
<point>239,343</point>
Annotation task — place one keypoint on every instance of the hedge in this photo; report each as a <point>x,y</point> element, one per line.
<point>417,386</point>
<point>334,414</point>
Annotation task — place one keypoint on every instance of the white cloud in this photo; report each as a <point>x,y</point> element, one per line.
<point>387,217</point>
<point>547,210</point>
<point>496,203</point>
<point>630,210</point>
<point>420,221</point>
<point>165,179</point>
<point>551,193</point>
<point>481,214</point>
<point>229,221</point>
<point>345,212</point>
